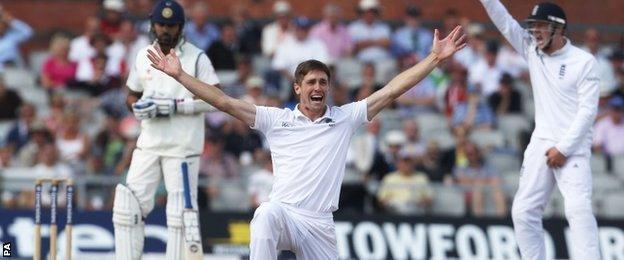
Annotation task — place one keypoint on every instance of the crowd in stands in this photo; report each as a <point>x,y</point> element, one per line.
<point>448,130</point>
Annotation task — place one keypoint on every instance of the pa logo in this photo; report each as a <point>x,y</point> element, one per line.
<point>6,249</point>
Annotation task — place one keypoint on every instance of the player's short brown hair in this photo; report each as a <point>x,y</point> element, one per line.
<point>305,67</point>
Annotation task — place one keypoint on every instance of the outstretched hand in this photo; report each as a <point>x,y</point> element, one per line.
<point>453,42</point>
<point>169,64</point>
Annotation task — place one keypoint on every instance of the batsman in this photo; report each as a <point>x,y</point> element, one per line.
<point>169,145</point>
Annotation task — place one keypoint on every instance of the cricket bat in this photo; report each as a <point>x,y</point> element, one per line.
<point>192,236</point>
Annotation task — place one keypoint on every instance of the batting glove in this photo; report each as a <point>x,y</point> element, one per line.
<point>165,106</point>
<point>144,109</point>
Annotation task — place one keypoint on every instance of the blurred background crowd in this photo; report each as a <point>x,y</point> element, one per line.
<point>452,145</point>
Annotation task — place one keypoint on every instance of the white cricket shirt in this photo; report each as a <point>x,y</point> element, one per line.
<point>565,86</point>
<point>178,135</point>
<point>309,157</point>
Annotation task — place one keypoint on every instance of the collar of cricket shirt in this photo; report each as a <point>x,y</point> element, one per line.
<point>326,118</point>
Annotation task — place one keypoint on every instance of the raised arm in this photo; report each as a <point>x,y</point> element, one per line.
<point>507,25</point>
<point>441,50</point>
<point>170,64</point>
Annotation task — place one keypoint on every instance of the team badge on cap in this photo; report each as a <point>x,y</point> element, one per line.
<point>167,12</point>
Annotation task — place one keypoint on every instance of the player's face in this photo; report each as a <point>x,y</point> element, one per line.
<point>313,91</point>
<point>541,33</point>
<point>167,34</point>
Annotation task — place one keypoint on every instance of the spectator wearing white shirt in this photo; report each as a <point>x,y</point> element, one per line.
<point>370,35</point>
<point>13,32</point>
<point>80,47</point>
<point>412,38</point>
<point>486,74</point>
<point>261,181</point>
<point>475,46</point>
<point>278,31</point>
<point>610,130</point>
<point>606,73</point>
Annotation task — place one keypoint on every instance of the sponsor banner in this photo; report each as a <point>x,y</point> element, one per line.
<point>358,236</point>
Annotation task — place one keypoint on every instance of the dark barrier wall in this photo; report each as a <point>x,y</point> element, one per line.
<point>358,236</point>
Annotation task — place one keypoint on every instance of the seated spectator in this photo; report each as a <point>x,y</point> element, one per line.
<point>480,180</point>
<point>48,164</point>
<point>419,99</point>
<point>475,46</point>
<point>365,152</point>
<point>370,35</point>
<point>198,30</point>
<point>255,91</point>
<point>457,91</point>
<point>405,191</point>
<point>340,94</point>
<point>593,44</point>
<point>619,90</point>
<point>261,181</point>
<point>224,51</point>
<point>609,130</point>
<point>369,83</point>
<point>333,33</point>
<point>115,65</point>
<point>506,100</point>
<point>123,51</point>
<point>113,15</point>
<point>80,47</point>
<point>239,138</point>
<point>394,142</point>
<point>6,157</point>
<point>58,70</point>
<point>300,48</point>
<point>474,114</point>
<point>454,157</point>
<point>412,38</point>
<point>40,136</point>
<point>54,119</point>
<point>431,162</point>
<point>19,134</point>
<point>100,81</point>
<point>486,73</point>
<point>415,146</point>
<point>278,31</point>
<point>247,30</point>
<point>108,144</point>
<point>10,101</point>
<point>13,33</point>
<point>73,144</point>
<point>217,165</point>
<point>243,72</point>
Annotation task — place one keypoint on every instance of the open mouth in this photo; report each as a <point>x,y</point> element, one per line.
<point>316,98</point>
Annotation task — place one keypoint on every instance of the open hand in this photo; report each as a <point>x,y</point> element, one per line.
<point>554,158</point>
<point>169,64</point>
<point>453,42</point>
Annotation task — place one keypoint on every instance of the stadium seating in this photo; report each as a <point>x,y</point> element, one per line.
<point>349,72</point>
<point>17,78</point>
<point>448,201</point>
<point>503,162</point>
<point>512,126</point>
<point>615,208</point>
<point>618,166</point>
<point>598,164</point>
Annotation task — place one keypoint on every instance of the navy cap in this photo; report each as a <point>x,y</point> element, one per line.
<point>616,102</point>
<point>167,12</point>
<point>548,12</point>
<point>302,22</point>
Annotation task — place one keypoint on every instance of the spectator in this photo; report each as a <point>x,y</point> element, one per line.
<point>369,83</point>
<point>394,143</point>
<point>404,191</point>
<point>243,72</point>
<point>261,181</point>
<point>40,136</point>
<point>474,114</point>
<point>80,47</point>
<point>100,81</point>
<point>475,46</point>
<point>10,101</point>
<point>86,68</point>
<point>455,157</point>
<point>450,20</point>
<point>13,32</point>
<point>293,51</point>
<point>125,47</point>
<point>58,70</point>
<point>199,31</point>
<point>113,15</point>
<point>49,165</point>
<point>333,33</point>
<point>412,38</point>
<point>365,152</point>
<point>414,145</point>
<point>610,130</point>
<point>340,94</point>
<point>240,139</point>
<point>370,35</point>
<point>6,157</point>
<point>278,31</point>
<point>255,89</point>
<point>108,144</point>
<point>54,119</point>
<point>248,31</point>
<point>223,53</point>
<point>507,100</point>
<point>430,162</point>
<point>486,73</point>
<point>73,145</point>
<point>606,73</point>
<point>19,134</point>
<point>619,91</point>
<point>217,165</point>
<point>480,180</point>
<point>420,98</point>
<point>457,91</point>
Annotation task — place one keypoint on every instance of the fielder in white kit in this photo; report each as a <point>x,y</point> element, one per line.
<point>172,132</point>
<point>565,88</point>
<point>308,148</point>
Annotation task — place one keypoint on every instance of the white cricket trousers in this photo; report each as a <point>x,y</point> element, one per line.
<point>277,226</point>
<point>537,181</point>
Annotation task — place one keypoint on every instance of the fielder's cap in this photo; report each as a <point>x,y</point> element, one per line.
<point>395,137</point>
<point>114,5</point>
<point>366,5</point>
<point>302,22</point>
<point>548,12</point>
<point>616,102</point>
<point>167,12</point>
<point>254,82</point>
<point>413,11</point>
<point>281,7</point>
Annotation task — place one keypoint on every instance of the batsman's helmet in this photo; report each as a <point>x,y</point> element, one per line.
<point>547,12</point>
<point>167,12</point>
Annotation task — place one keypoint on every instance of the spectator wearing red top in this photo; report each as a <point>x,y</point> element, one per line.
<point>58,70</point>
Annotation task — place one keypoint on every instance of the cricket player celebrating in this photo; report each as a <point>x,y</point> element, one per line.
<point>172,134</point>
<point>308,147</point>
<point>566,93</point>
